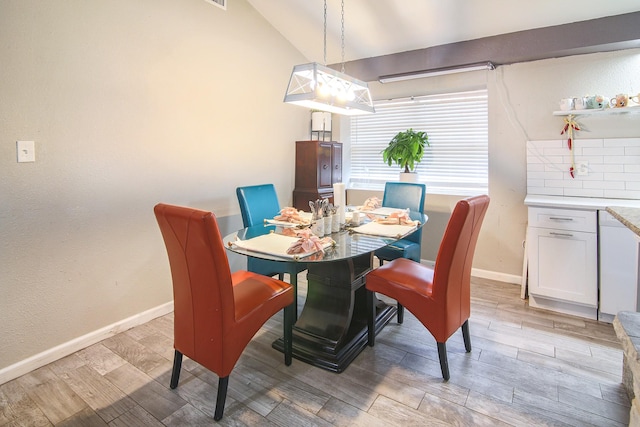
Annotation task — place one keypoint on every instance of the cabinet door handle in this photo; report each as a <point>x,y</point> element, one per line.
<point>553,233</point>
<point>557,218</point>
<point>325,166</point>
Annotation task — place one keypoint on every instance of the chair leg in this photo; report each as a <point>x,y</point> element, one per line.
<point>444,363</point>
<point>371,316</point>
<point>223,384</point>
<point>175,374</point>
<point>289,320</point>
<point>293,278</point>
<point>465,336</point>
<point>400,313</point>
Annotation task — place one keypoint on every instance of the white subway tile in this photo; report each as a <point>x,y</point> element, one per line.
<point>545,143</point>
<point>615,159</point>
<point>581,192</point>
<point>621,194</point>
<point>564,183</point>
<point>592,176</point>
<point>615,142</point>
<point>606,168</point>
<point>617,151</point>
<point>632,186</point>
<point>610,185</point>
<point>614,167</point>
<point>544,191</point>
<point>592,143</point>
<point>556,152</point>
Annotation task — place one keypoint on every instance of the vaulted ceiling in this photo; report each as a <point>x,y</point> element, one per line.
<point>392,36</point>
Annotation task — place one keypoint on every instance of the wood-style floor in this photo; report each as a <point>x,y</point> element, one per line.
<point>528,367</point>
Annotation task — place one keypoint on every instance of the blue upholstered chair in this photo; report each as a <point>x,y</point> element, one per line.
<point>258,202</point>
<point>403,195</point>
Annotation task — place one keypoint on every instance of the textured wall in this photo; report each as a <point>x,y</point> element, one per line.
<point>129,103</point>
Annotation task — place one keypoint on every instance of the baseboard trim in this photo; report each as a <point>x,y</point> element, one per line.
<point>51,355</point>
<point>34,362</point>
<point>494,275</point>
<point>486,274</point>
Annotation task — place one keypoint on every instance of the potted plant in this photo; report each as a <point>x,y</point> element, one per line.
<point>406,150</point>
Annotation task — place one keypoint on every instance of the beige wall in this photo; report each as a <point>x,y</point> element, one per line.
<point>130,103</point>
<point>135,102</point>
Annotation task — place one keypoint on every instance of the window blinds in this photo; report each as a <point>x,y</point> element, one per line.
<point>457,125</point>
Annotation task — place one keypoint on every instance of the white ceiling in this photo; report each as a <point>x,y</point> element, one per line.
<point>380,27</point>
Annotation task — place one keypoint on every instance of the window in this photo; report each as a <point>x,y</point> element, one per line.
<point>457,125</point>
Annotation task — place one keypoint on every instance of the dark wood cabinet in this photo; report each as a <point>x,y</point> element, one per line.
<point>318,167</point>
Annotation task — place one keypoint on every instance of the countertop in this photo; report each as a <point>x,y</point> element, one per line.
<point>626,211</point>
<point>628,216</point>
<point>589,203</point>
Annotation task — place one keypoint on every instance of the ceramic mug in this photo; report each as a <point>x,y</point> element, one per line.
<point>635,99</point>
<point>317,227</point>
<point>580,103</point>
<point>566,104</point>
<point>328,224</point>
<point>619,101</point>
<point>597,102</point>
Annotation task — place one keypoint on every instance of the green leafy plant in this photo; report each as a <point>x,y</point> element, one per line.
<point>406,149</point>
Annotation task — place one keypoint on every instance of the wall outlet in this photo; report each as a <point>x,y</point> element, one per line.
<point>26,151</point>
<point>582,168</point>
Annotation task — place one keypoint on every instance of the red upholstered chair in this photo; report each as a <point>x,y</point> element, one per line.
<point>216,312</point>
<point>439,297</point>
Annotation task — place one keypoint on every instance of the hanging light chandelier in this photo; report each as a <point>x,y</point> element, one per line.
<point>319,87</point>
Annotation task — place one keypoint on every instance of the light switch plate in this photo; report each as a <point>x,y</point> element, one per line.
<point>26,151</point>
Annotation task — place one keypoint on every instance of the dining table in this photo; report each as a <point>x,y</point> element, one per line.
<point>331,329</point>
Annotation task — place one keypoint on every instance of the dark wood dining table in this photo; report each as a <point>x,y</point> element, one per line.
<point>332,327</point>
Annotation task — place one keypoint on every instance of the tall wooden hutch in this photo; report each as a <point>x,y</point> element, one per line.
<point>318,167</point>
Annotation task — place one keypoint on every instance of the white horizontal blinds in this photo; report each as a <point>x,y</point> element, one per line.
<point>457,125</point>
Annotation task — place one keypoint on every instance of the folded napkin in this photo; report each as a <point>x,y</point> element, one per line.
<point>283,223</point>
<point>398,217</point>
<point>290,217</point>
<point>370,204</point>
<point>384,230</point>
<point>308,243</point>
<point>384,211</point>
<point>275,244</point>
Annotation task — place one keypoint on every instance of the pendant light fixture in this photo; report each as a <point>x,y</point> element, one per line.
<point>319,87</point>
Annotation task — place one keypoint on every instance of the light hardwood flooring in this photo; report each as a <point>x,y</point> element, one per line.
<point>528,367</point>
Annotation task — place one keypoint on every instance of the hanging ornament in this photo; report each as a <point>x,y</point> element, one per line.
<point>570,126</point>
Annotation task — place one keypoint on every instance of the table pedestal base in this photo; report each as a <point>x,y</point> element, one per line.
<point>332,328</point>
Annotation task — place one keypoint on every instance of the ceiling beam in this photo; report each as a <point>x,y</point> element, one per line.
<point>596,35</point>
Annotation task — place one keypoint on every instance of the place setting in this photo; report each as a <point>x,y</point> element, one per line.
<point>294,236</point>
<point>383,221</point>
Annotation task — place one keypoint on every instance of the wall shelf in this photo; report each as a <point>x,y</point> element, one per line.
<point>603,111</point>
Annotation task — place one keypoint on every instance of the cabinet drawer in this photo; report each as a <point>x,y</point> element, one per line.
<point>563,265</point>
<point>563,219</point>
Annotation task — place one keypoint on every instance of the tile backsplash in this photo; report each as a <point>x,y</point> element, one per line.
<point>612,166</point>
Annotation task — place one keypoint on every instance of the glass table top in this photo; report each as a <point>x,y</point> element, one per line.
<point>349,244</point>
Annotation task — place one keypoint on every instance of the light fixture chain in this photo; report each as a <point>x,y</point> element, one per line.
<point>342,36</point>
<point>325,32</point>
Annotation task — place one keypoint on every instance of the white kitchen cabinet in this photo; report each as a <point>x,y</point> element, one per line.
<point>562,248</point>
<point>619,265</point>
